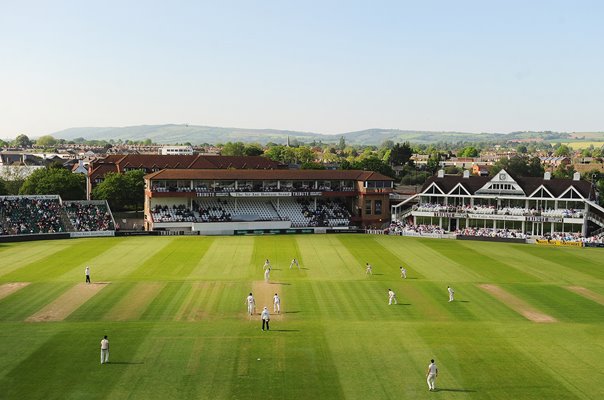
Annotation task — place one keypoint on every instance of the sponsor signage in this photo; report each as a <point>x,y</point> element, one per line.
<point>91,234</point>
<point>544,242</point>
<point>497,217</point>
<point>543,219</point>
<point>271,231</point>
<point>445,215</point>
<point>212,194</point>
<point>302,194</point>
<point>261,194</point>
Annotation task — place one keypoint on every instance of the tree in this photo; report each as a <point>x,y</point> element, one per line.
<point>522,149</point>
<point>312,165</point>
<point>114,189</point>
<point>3,191</point>
<point>253,149</point>
<point>433,163</point>
<point>563,151</point>
<point>469,151</point>
<point>233,149</point>
<point>400,154</point>
<point>342,143</point>
<point>518,166</point>
<point>452,170</point>
<point>274,153</point>
<point>55,180</point>
<point>135,182</point>
<point>3,143</point>
<point>22,141</point>
<point>535,168</point>
<point>304,155</point>
<point>46,141</point>
<point>372,163</point>
<point>564,172</point>
<point>122,191</point>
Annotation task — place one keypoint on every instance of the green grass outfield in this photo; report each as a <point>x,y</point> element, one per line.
<point>173,308</point>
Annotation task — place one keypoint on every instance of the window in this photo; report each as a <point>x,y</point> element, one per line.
<point>378,207</point>
<point>368,207</point>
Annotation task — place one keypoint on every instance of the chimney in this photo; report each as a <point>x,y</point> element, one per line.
<point>576,176</point>
<point>547,176</point>
<point>466,174</point>
<point>441,173</point>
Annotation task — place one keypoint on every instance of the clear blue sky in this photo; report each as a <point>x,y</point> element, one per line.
<point>322,66</point>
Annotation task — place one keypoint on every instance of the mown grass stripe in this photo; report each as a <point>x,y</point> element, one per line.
<point>30,299</point>
<point>54,266</point>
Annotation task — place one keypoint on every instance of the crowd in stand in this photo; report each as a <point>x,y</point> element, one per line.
<point>182,213</point>
<point>327,212</point>
<point>214,213</point>
<point>573,237</point>
<point>490,232</point>
<point>26,215</point>
<point>492,210</point>
<point>402,228</point>
<point>86,217</point>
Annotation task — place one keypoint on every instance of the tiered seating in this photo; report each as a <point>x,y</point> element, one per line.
<point>30,215</point>
<point>247,209</point>
<point>301,212</point>
<point>293,210</point>
<point>563,213</point>
<point>178,213</point>
<point>89,216</point>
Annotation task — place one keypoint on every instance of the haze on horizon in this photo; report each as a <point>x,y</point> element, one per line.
<point>316,66</point>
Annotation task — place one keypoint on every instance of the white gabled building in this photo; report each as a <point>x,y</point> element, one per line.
<point>535,206</point>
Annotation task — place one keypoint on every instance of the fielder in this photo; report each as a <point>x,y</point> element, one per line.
<point>267,274</point>
<point>431,375</point>
<point>391,297</point>
<point>451,293</point>
<point>251,304</point>
<point>104,350</point>
<point>276,304</point>
<point>403,273</point>
<point>294,262</point>
<point>368,270</point>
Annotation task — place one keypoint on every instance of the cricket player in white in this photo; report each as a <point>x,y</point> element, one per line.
<point>267,274</point>
<point>87,272</point>
<point>104,350</point>
<point>431,375</point>
<point>276,304</point>
<point>294,262</point>
<point>267,264</point>
<point>403,273</point>
<point>368,270</point>
<point>251,304</point>
<point>451,293</point>
<point>391,297</point>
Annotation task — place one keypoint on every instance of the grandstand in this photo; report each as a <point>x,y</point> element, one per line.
<point>226,200</point>
<point>31,215</point>
<point>504,206</point>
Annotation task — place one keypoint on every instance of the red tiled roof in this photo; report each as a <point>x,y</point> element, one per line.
<point>262,174</point>
<point>120,162</point>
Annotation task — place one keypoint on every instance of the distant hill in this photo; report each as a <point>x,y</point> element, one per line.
<point>195,134</point>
